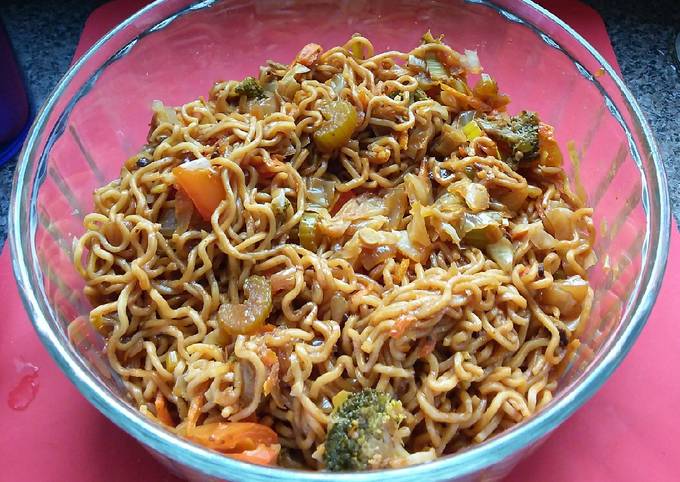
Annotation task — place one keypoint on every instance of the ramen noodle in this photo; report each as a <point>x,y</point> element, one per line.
<point>356,260</point>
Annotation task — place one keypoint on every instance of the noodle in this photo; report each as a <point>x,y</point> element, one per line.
<point>348,221</point>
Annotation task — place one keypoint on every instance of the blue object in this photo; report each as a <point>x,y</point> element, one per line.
<point>14,111</point>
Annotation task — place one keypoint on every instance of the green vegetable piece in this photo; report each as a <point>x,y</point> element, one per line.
<point>482,229</point>
<point>516,136</point>
<point>436,69</point>
<point>419,94</point>
<point>363,432</point>
<point>427,38</point>
<point>250,87</point>
<point>472,130</point>
<point>307,232</point>
<point>486,87</point>
<point>280,206</point>
<point>248,317</point>
<point>340,120</point>
<point>470,172</point>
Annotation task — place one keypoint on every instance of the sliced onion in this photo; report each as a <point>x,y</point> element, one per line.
<point>371,258</point>
<point>449,140</point>
<point>247,317</point>
<point>417,230</point>
<point>450,202</point>
<point>590,260</point>
<point>416,63</point>
<point>483,228</point>
<point>435,68</point>
<point>539,237</point>
<point>567,295</point>
<point>197,164</point>
<point>477,197</point>
<point>339,307</point>
<point>481,220</point>
<point>451,232</point>
<point>320,192</point>
<point>502,253</point>
<point>168,222</point>
<point>261,107</point>
<point>424,82</point>
<point>576,286</point>
<point>284,280</point>
<point>560,221</point>
<point>470,61</point>
<point>337,83</point>
<point>287,86</point>
<point>465,118</point>
<point>515,198</point>
<point>418,189</point>
<point>408,249</point>
<point>418,140</point>
<point>184,209</point>
<point>364,206</point>
<point>161,113</point>
<point>395,202</point>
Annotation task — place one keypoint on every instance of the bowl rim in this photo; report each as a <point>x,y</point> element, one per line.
<point>494,451</point>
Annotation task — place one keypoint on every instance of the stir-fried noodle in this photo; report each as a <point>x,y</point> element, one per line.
<point>352,220</point>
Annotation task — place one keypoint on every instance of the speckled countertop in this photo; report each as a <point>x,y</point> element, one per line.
<point>44,34</point>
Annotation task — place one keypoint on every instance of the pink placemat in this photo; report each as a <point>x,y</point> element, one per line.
<point>625,433</point>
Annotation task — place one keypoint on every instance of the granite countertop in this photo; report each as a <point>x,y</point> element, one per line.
<point>44,34</point>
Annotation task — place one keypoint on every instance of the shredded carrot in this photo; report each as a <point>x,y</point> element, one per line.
<point>269,358</point>
<point>262,455</point>
<point>403,140</point>
<point>402,324</point>
<point>194,412</point>
<point>233,437</point>
<point>364,98</point>
<point>309,54</point>
<point>402,269</point>
<point>162,412</point>
<point>266,328</point>
<point>426,346</point>
<point>549,150</point>
<point>467,100</point>
<point>539,210</point>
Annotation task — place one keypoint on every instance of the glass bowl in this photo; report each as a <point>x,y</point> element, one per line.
<point>173,51</point>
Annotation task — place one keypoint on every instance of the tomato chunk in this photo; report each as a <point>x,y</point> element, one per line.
<point>202,184</point>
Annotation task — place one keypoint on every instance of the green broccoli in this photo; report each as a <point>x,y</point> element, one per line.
<point>428,38</point>
<point>249,87</point>
<point>419,94</point>
<point>516,136</point>
<point>363,432</point>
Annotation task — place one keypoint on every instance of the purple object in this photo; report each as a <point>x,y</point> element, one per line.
<point>13,102</point>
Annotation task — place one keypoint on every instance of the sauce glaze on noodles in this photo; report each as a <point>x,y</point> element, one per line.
<point>387,296</point>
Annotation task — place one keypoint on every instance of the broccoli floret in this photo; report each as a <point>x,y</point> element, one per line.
<point>249,87</point>
<point>516,136</point>
<point>428,38</point>
<point>419,94</point>
<point>363,432</point>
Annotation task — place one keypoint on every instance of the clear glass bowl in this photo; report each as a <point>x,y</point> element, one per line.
<point>173,51</point>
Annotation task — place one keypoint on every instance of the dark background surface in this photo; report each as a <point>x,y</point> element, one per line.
<point>44,34</point>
